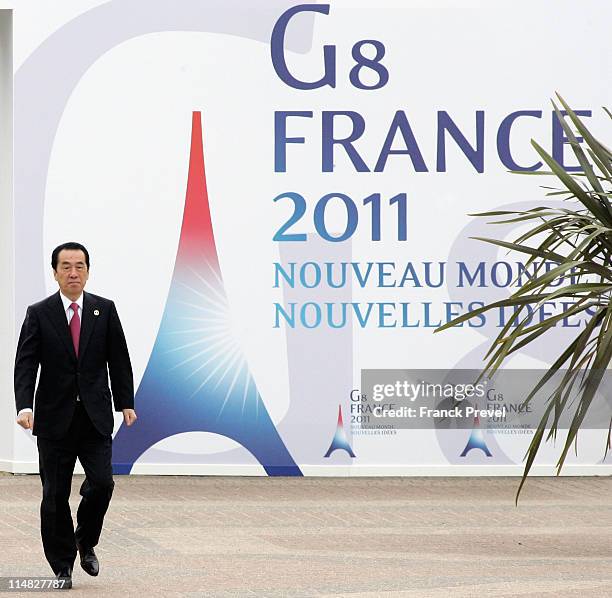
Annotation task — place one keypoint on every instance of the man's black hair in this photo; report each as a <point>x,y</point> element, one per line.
<point>69,245</point>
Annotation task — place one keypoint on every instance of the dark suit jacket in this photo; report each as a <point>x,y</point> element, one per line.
<point>45,341</point>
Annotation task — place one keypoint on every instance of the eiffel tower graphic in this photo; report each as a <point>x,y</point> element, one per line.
<point>339,441</point>
<point>197,378</point>
<point>476,440</point>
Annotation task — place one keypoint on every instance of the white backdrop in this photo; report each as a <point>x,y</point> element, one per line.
<point>117,169</point>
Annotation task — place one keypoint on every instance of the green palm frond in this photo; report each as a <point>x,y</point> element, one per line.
<point>578,239</point>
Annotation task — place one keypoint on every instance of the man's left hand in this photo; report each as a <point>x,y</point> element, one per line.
<point>129,416</point>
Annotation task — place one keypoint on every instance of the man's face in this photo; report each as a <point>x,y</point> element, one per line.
<point>71,273</point>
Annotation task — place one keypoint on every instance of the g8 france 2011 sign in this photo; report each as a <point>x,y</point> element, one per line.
<point>277,197</point>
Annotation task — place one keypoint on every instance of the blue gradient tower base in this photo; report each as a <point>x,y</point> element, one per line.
<point>476,441</point>
<point>340,441</point>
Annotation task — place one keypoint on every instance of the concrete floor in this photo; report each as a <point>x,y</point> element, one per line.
<point>359,537</point>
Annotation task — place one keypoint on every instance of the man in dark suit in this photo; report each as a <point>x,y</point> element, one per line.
<point>77,340</point>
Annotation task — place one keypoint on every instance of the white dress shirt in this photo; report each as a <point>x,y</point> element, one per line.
<point>69,313</point>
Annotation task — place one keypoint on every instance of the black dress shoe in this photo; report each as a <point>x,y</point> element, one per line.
<point>89,560</point>
<point>64,576</point>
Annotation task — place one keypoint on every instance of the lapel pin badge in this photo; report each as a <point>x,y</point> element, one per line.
<point>96,312</point>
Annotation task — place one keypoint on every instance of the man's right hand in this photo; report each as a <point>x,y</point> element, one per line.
<point>26,420</point>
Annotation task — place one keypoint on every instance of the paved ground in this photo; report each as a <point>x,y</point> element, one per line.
<point>365,537</point>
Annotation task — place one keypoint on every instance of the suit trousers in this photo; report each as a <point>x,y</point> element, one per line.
<point>56,460</point>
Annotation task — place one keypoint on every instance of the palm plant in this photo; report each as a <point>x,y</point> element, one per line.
<point>578,239</point>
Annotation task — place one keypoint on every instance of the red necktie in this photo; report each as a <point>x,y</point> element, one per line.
<point>75,327</point>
